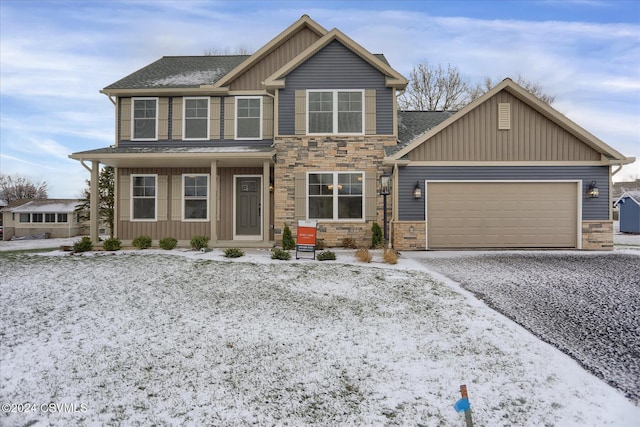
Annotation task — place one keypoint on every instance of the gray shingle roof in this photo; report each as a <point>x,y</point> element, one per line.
<point>180,71</point>
<point>412,124</point>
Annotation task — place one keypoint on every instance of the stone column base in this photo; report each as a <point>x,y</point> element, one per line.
<point>409,235</point>
<point>597,235</point>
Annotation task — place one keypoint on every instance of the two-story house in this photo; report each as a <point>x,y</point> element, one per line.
<point>236,147</point>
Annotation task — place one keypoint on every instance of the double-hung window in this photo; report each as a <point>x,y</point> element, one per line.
<point>196,118</point>
<point>248,117</point>
<point>335,111</point>
<point>143,200</point>
<point>145,119</point>
<point>49,217</point>
<point>336,195</point>
<point>196,197</point>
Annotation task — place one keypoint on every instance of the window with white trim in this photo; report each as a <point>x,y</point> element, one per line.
<point>62,217</point>
<point>25,217</point>
<point>196,197</point>
<point>248,117</point>
<point>144,119</point>
<point>143,197</point>
<point>335,195</point>
<point>196,118</point>
<point>335,111</point>
<point>49,217</point>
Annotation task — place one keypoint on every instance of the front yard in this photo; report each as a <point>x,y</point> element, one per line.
<point>146,338</point>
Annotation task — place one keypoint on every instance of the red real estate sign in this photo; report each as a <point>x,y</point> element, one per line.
<point>306,237</point>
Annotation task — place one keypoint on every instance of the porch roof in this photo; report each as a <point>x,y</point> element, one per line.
<point>179,156</point>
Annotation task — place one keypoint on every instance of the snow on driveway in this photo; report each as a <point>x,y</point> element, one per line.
<point>186,338</point>
<point>586,304</point>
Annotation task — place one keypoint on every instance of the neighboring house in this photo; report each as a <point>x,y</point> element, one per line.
<point>629,205</point>
<point>236,147</point>
<point>43,217</point>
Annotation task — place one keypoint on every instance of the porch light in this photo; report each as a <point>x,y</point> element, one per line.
<point>417,191</point>
<point>385,185</point>
<point>271,187</point>
<point>593,191</point>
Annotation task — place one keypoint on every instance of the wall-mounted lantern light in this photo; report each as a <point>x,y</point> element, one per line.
<point>593,191</point>
<point>385,185</point>
<point>271,187</point>
<point>417,191</point>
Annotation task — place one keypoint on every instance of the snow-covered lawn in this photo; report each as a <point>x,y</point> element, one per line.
<point>186,338</point>
<point>583,303</point>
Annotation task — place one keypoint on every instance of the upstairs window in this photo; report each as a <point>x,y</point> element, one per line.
<point>248,117</point>
<point>145,119</point>
<point>196,197</point>
<point>143,200</point>
<point>335,112</point>
<point>196,118</point>
<point>336,195</point>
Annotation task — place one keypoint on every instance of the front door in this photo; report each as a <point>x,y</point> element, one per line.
<point>248,207</point>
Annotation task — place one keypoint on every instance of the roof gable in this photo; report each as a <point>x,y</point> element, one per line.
<point>393,78</point>
<point>633,195</point>
<point>576,141</point>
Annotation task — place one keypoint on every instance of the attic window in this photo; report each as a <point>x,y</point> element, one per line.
<point>504,116</point>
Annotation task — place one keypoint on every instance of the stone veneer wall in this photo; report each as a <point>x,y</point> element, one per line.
<point>597,235</point>
<point>409,235</point>
<point>327,154</point>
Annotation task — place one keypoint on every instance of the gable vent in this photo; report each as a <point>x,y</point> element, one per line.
<point>504,116</point>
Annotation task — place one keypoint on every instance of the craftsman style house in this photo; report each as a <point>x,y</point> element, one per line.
<point>236,147</point>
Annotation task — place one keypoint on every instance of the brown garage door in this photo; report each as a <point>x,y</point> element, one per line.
<point>502,215</point>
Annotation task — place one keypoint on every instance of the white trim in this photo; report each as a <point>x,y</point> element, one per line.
<point>133,119</point>
<point>235,208</point>
<point>334,111</point>
<point>235,117</point>
<point>184,117</point>
<point>335,196</point>
<point>131,197</point>
<point>184,199</point>
<point>578,183</point>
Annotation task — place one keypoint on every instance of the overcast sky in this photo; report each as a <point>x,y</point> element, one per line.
<point>56,55</point>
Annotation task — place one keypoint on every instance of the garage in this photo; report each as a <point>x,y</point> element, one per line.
<point>514,214</point>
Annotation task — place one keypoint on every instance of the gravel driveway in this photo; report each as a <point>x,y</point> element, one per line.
<point>587,305</point>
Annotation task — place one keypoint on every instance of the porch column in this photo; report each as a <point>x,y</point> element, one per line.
<point>266,201</point>
<point>93,202</point>
<point>213,202</point>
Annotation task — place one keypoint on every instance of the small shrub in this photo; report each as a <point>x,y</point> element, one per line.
<point>390,256</point>
<point>349,243</point>
<point>199,242</point>
<point>168,243</point>
<point>142,242</point>
<point>326,256</point>
<point>321,244</point>
<point>112,244</point>
<point>83,245</point>
<point>280,254</point>
<point>233,253</point>
<point>376,237</point>
<point>363,255</point>
<point>287,239</point>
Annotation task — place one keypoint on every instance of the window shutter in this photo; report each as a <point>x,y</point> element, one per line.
<point>163,118</point>
<point>229,117</point>
<point>162,197</point>
<point>125,119</point>
<point>370,196</point>
<point>504,116</point>
<point>176,198</point>
<point>370,112</point>
<point>125,197</point>
<point>300,123</point>
<point>267,117</point>
<point>214,118</point>
<point>176,124</point>
<point>300,211</point>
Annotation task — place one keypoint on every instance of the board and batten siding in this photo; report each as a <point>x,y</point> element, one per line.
<point>252,78</point>
<point>410,209</point>
<point>335,67</point>
<point>477,137</point>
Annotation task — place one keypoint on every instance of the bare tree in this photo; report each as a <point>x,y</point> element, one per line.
<point>19,187</point>
<point>531,87</point>
<point>227,51</point>
<point>434,88</point>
